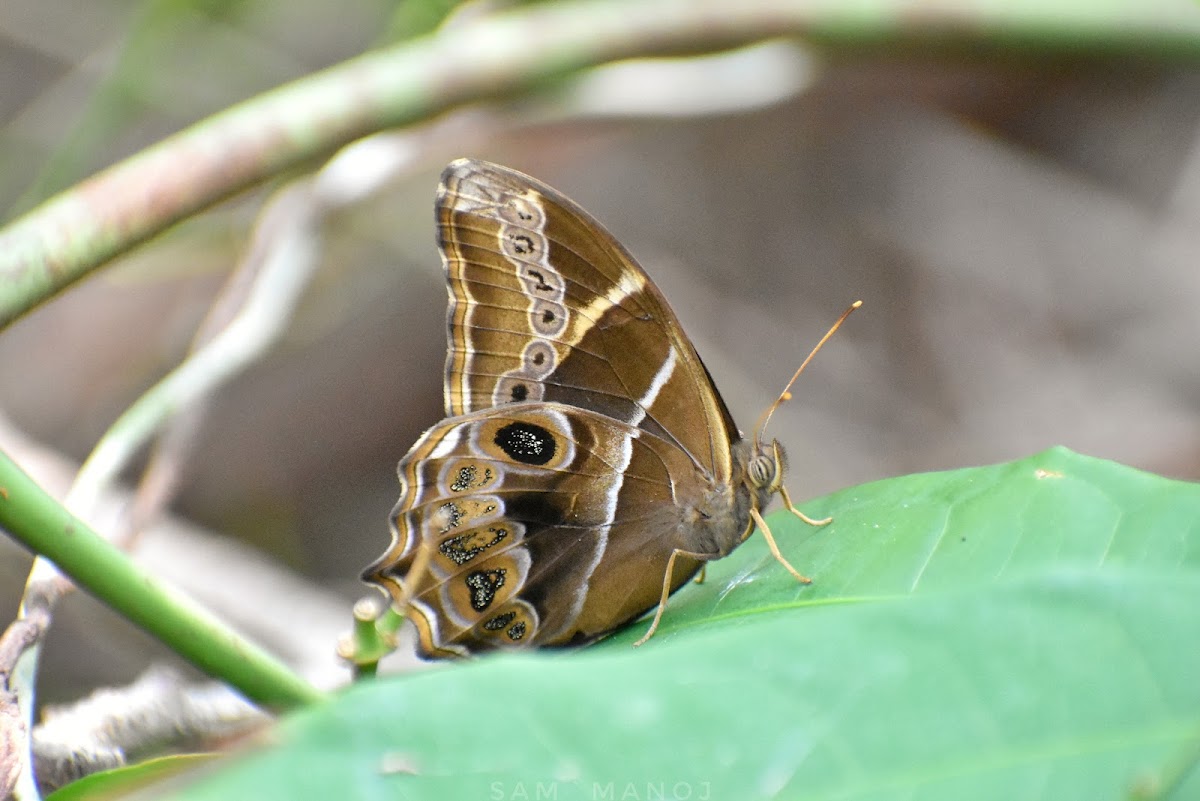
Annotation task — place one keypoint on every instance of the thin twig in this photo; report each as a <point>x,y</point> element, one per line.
<point>288,218</point>
<point>159,708</point>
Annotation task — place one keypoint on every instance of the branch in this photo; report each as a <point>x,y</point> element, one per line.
<point>497,56</point>
<point>103,730</point>
<point>39,522</point>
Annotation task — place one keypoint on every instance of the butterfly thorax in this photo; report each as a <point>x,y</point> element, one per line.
<point>723,522</point>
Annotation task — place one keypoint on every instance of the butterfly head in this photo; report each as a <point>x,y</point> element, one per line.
<point>766,468</point>
<point>768,463</point>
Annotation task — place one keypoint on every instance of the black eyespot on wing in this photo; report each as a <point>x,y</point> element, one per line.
<point>466,477</point>
<point>451,514</point>
<point>522,244</point>
<point>465,547</point>
<point>519,392</point>
<point>526,443</point>
<point>542,286</point>
<point>499,621</point>
<point>483,585</point>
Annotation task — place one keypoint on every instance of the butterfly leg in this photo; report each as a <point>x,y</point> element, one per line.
<point>666,590</point>
<point>791,507</point>
<point>416,573</point>
<point>762,526</point>
<point>699,579</point>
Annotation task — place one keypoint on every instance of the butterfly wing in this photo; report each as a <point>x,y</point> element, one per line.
<point>545,305</point>
<point>519,504</point>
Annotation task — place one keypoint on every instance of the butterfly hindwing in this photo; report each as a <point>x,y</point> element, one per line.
<point>519,505</point>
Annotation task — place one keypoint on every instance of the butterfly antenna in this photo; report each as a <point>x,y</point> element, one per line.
<point>787,390</point>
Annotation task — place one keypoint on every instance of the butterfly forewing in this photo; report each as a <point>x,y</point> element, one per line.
<point>545,305</point>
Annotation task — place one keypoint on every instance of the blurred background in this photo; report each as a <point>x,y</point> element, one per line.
<point>1021,227</point>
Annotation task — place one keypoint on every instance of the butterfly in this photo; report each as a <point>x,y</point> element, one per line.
<point>587,467</point>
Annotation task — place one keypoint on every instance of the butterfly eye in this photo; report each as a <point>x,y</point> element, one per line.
<point>761,470</point>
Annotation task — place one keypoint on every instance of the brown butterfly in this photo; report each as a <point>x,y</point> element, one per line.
<point>587,466</point>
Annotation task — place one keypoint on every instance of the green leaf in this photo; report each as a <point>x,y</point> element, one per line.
<point>119,782</point>
<point>1021,631</point>
<point>963,528</point>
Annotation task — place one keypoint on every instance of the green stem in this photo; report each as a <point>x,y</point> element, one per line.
<point>45,527</point>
